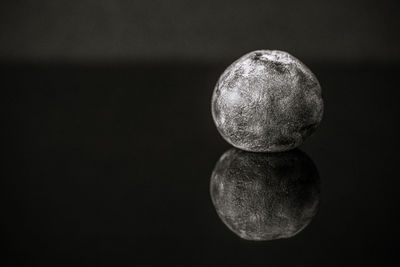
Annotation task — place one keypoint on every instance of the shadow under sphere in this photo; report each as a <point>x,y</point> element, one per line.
<point>265,196</point>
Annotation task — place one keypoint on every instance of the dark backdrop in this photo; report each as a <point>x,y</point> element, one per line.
<point>198,30</point>
<point>108,143</point>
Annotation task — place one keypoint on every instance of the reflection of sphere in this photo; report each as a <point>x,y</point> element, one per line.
<point>267,101</point>
<point>265,196</point>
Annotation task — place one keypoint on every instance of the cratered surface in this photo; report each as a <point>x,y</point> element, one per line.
<point>267,101</point>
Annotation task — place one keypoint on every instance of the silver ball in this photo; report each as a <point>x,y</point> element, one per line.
<point>267,101</point>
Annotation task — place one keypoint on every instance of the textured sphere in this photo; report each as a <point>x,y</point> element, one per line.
<point>267,101</point>
<point>265,196</point>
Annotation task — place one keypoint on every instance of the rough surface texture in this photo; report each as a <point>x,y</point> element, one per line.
<point>265,196</point>
<point>267,101</point>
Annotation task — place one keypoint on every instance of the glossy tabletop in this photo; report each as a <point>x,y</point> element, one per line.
<point>110,164</point>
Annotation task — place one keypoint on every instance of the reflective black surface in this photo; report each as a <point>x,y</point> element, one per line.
<point>111,164</point>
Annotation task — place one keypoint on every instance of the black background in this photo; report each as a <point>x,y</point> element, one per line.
<point>108,142</point>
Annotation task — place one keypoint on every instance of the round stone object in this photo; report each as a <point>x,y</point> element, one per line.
<point>265,196</point>
<point>267,101</point>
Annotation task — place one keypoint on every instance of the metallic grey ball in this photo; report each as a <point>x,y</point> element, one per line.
<point>267,101</point>
<point>265,196</point>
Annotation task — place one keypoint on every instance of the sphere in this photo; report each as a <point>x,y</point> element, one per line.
<point>265,196</point>
<point>267,101</point>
